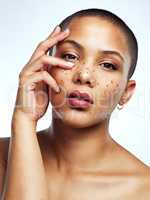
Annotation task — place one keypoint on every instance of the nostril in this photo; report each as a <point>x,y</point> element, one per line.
<point>78,80</point>
<point>88,82</point>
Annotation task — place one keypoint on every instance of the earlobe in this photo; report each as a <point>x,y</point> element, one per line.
<point>129,90</point>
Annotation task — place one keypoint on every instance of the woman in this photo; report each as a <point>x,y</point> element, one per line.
<point>83,69</point>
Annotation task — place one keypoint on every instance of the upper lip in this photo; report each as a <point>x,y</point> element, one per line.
<point>82,95</point>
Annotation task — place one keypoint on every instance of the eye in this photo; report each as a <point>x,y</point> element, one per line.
<point>69,57</point>
<point>109,66</point>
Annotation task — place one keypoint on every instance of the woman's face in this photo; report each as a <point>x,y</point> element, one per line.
<point>100,52</point>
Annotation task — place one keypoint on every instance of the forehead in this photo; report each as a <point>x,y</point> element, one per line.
<point>95,32</point>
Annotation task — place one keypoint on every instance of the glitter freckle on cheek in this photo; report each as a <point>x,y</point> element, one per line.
<point>116,88</point>
<point>61,81</point>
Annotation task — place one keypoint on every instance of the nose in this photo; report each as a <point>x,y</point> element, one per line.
<point>84,76</point>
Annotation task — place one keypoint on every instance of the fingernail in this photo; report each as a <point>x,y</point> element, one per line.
<point>57,89</point>
<point>70,64</point>
<point>66,30</point>
<point>57,28</point>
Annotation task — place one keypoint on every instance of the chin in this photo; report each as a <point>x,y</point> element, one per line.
<point>76,124</point>
<point>77,118</point>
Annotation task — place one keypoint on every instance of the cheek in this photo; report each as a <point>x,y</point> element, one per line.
<point>109,94</point>
<point>59,74</point>
<point>61,78</point>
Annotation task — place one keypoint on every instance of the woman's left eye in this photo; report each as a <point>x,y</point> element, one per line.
<point>69,57</point>
<point>109,66</point>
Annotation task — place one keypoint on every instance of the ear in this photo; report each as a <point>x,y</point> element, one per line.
<point>129,90</point>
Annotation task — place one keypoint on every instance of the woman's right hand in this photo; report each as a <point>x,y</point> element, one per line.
<point>32,96</point>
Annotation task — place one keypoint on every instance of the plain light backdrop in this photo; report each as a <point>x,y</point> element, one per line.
<point>24,23</point>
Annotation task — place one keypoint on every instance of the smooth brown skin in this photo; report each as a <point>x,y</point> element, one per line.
<point>80,159</point>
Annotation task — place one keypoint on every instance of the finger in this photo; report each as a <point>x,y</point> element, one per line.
<point>48,61</point>
<point>56,30</point>
<point>44,46</point>
<point>40,76</point>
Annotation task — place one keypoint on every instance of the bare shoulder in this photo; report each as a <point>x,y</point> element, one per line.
<point>130,162</point>
<point>142,189</point>
<point>143,180</point>
<point>138,165</point>
<point>137,171</point>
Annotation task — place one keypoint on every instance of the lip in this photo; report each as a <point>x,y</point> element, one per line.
<point>75,103</point>
<point>79,99</point>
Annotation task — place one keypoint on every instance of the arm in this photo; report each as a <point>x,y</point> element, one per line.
<point>25,177</point>
<point>25,171</point>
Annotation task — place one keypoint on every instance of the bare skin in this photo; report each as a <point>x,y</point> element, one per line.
<point>75,158</point>
<point>126,176</point>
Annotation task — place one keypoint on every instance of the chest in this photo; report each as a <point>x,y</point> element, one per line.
<point>89,188</point>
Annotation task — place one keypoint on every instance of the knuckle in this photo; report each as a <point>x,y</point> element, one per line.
<point>42,44</point>
<point>59,60</point>
<point>21,75</point>
<point>22,81</point>
<point>22,78</point>
<point>44,74</point>
<point>44,58</point>
<point>54,61</point>
<point>53,39</point>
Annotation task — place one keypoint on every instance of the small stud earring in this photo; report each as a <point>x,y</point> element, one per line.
<point>120,107</point>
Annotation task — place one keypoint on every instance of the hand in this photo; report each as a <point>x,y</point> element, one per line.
<point>32,95</point>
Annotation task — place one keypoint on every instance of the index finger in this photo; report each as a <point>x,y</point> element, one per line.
<point>49,42</point>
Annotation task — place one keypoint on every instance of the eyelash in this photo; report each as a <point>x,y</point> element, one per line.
<point>105,64</point>
<point>64,56</point>
<point>112,66</point>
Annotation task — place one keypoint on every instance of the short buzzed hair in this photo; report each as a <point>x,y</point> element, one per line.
<point>114,19</point>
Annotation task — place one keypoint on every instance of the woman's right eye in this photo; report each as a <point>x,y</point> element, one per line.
<point>69,57</point>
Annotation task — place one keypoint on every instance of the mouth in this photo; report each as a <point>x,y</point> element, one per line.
<point>79,99</point>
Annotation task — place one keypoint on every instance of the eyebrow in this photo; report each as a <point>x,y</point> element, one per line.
<point>74,43</point>
<point>80,47</point>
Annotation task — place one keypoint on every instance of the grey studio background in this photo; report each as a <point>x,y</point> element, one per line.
<point>23,24</point>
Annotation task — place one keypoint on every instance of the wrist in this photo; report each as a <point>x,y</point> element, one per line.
<point>22,120</point>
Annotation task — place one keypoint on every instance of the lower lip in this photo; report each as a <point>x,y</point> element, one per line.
<point>77,103</point>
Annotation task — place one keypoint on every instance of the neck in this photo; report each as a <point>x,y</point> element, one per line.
<point>80,148</point>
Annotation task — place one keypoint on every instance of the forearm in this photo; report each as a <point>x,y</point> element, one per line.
<point>25,177</point>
